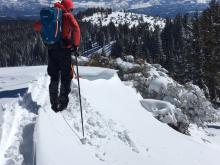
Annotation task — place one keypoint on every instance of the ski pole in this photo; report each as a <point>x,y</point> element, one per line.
<point>77,70</point>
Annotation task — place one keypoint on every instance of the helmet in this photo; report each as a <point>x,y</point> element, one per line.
<point>68,4</point>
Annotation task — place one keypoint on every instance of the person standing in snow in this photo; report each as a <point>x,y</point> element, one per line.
<point>59,57</point>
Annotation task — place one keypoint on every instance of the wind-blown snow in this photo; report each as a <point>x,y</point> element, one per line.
<point>125,66</point>
<point>118,129</point>
<point>163,110</point>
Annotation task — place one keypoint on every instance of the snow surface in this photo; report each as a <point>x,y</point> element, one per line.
<point>118,129</point>
<point>126,66</point>
<point>162,110</point>
<point>14,81</point>
<point>131,19</point>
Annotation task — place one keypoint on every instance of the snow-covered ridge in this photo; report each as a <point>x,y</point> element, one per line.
<point>122,18</point>
<point>118,129</point>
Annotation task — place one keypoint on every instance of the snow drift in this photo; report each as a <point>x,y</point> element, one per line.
<point>118,129</point>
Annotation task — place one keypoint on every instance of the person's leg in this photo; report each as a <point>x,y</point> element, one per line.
<point>53,71</point>
<point>65,66</point>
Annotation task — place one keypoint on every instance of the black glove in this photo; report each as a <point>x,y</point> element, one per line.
<point>74,49</point>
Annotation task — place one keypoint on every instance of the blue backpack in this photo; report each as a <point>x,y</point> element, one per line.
<point>51,20</point>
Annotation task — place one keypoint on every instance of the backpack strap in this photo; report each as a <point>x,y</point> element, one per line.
<point>57,22</point>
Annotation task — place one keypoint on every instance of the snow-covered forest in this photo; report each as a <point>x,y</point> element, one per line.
<point>20,45</point>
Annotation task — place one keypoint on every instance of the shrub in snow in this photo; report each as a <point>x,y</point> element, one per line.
<point>167,113</point>
<point>182,104</point>
<point>164,111</point>
<point>81,60</point>
<point>196,106</point>
<point>126,67</point>
<point>190,99</point>
<point>129,58</point>
<point>98,60</point>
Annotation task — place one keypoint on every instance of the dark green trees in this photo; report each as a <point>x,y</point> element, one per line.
<point>20,45</point>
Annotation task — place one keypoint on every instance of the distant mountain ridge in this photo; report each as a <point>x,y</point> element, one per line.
<point>164,8</point>
<point>134,4</point>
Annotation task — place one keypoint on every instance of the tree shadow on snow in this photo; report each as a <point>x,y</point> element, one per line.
<point>28,103</point>
<point>27,146</point>
<point>13,93</point>
<point>213,126</point>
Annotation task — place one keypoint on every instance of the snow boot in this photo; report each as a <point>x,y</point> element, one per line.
<point>62,107</point>
<point>53,91</point>
<point>64,92</point>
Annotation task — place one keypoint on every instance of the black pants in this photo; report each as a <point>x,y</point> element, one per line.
<point>59,67</point>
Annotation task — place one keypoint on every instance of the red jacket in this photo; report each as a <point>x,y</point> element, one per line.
<point>70,27</point>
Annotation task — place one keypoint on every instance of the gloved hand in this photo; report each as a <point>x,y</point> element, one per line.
<point>74,49</point>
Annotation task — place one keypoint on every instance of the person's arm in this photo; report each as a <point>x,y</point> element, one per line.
<point>76,30</point>
<point>37,26</point>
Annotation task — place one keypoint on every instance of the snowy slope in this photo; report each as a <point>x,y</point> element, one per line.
<point>118,129</point>
<point>131,19</point>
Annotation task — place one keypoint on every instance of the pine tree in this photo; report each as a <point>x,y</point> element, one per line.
<point>210,37</point>
<point>167,37</point>
<point>157,50</point>
<point>117,49</point>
